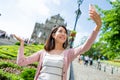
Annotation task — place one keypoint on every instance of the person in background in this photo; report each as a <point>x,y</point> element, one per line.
<point>99,64</point>
<point>55,58</point>
<point>86,59</point>
<point>80,58</point>
<point>91,61</point>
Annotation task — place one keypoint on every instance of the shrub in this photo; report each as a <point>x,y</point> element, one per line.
<point>9,76</point>
<point>8,64</point>
<point>3,77</point>
<point>3,56</point>
<point>28,74</point>
<point>18,43</point>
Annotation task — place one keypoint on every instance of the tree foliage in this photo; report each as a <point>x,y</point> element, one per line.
<point>109,41</point>
<point>110,35</point>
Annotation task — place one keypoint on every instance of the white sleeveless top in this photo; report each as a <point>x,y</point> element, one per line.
<point>52,67</point>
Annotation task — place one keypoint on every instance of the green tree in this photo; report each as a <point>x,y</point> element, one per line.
<point>95,50</point>
<point>110,35</point>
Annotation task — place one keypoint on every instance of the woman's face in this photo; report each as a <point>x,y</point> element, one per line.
<point>60,36</point>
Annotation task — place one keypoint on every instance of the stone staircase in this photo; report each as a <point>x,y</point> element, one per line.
<point>5,41</point>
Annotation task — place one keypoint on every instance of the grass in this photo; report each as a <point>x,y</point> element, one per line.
<point>117,64</point>
<point>8,53</point>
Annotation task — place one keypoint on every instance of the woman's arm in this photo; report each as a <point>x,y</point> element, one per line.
<point>86,46</point>
<point>21,59</point>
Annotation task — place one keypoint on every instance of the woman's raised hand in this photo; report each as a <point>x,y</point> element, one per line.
<point>94,15</point>
<point>18,38</point>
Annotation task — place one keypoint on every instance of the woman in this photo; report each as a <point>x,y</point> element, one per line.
<point>55,58</point>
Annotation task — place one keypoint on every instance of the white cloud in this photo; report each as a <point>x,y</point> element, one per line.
<point>22,15</point>
<point>21,28</point>
<point>31,7</point>
<point>57,2</point>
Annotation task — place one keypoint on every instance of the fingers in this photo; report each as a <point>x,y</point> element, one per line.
<point>18,38</point>
<point>92,12</point>
<point>94,15</point>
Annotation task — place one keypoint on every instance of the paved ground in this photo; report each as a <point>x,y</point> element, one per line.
<point>82,72</point>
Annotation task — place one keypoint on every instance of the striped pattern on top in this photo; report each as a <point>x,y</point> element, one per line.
<point>52,67</point>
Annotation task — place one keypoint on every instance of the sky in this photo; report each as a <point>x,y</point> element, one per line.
<point>19,16</point>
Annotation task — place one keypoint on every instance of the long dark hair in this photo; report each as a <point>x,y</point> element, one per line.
<point>50,43</point>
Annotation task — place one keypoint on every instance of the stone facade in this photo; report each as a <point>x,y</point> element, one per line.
<point>6,39</point>
<point>2,33</point>
<point>42,31</point>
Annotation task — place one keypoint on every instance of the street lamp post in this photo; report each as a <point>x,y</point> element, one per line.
<point>78,13</point>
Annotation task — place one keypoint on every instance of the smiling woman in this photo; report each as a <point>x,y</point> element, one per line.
<point>55,58</point>
<point>57,39</point>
